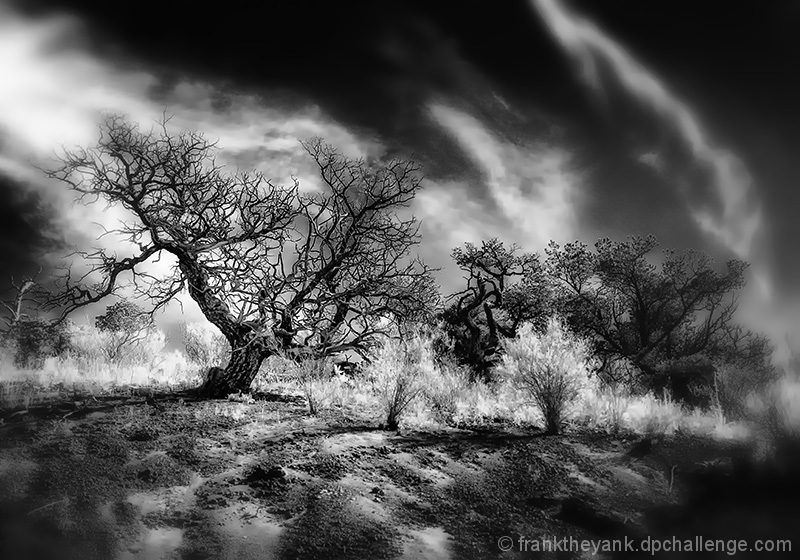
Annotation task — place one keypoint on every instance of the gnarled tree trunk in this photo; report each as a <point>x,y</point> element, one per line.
<point>238,375</point>
<point>247,353</point>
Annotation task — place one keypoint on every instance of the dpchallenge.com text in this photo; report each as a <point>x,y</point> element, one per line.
<point>603,546</point>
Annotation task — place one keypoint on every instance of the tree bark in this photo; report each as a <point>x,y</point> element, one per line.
<point>238,375</point>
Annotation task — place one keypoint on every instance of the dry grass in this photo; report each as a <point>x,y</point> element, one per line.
<point>606,408</point>
<point>398,372</point>
<point>616,410</point>
<point>406,383</point>
<point>90,374</point>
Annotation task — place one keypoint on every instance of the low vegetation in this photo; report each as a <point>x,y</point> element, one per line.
<point>545,381</point>
<point>551,367</point>
<point>334,395</point>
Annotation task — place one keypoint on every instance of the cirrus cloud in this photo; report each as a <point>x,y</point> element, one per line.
<point>735,218</point>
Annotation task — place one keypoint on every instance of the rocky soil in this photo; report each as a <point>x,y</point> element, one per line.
<point>133,478</point>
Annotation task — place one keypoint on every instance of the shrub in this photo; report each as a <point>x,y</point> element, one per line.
<point>445,386</point>
<point>205,345</point>
<point>552,368</point>
<point>33,340</point>
<point>734,385</point>
<point>651,415</point>
<point>313,374</point>
<point>606,408</point>
<point>397,370</point>
<point>777,416</point>
<point>778,413</point>
<point>110,347</point>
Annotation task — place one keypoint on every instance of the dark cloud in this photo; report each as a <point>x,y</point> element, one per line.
<point>717,49</point>
<point>27,235</point>
<point>735,63</point>
<point>371,65</point>
<point>376,66</point>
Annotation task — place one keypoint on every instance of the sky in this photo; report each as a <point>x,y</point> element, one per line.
<point>533,119</point>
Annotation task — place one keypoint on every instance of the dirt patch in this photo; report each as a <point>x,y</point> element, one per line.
<point>189,480</point>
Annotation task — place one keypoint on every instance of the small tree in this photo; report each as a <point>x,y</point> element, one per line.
<point>552,367</point>
<point>12,306</point>
<point>636,310</point>
<point>31,338</point>
<point>125,327</point>
<point>743,367</point>
<point>445,385</point>
<point>778,412</point>
<point>275,270</point>
<point>505,288</point>
<point>34,340</point>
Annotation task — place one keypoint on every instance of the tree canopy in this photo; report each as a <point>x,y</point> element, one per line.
<point>504,289</point>
<point>274,268</point>
<point>126,326</point>
<point>640,311</point>
<point>648,316</point>
<point>321,271</point>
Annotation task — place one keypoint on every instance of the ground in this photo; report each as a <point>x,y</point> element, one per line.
<point>134,478</point>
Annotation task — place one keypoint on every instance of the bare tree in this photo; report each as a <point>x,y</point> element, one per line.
<point>637,311</point>
<point>13,306</point>
<point>504,289</point>
<point>126,327</point>
<point>273,268</point>
<point>31,337</point>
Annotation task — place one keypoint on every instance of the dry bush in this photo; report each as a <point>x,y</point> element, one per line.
<point>320,381</point>
<point>32,341</point>
<point>276,373</point>
<point>614,409</point>
<point>777,412</point>
<point>205,345</point>
<point>398,370</point>
<point>606,407</point>
<point>736,384</point>
<point>553,368</point>
<point>92,345</point>
<point>88,365</point>
<point>446,386</point>
<point>478,405</point>
<point>650,415</point>
<point>781,415</point>
<point>314,374</point>
<point>477,402</point>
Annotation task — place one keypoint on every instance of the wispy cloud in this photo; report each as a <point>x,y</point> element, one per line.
<point>738,219</point>
<point>530,188</point>
<point>50,92</point>
<point>53,94</point>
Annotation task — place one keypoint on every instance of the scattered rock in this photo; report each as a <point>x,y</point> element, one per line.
<point>262,474</point>
<point>141,433</point>
<point>146,475</point>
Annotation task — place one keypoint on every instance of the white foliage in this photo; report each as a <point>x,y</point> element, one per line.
<point>552,367</point>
